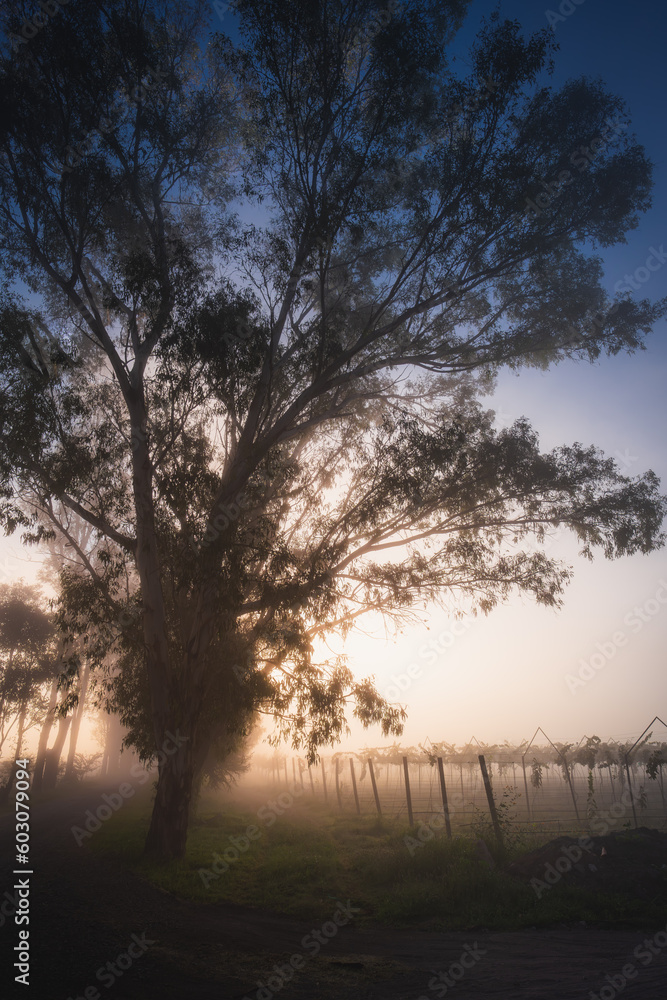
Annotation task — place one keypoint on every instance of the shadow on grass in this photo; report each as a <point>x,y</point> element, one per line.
<point>300,862</point>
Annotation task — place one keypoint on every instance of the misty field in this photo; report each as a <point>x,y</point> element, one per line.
<point>291,854</point>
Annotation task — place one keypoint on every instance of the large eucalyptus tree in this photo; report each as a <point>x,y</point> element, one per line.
<point>265,278</point>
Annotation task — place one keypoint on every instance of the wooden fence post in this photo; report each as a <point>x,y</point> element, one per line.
<point>408,799</point>
<point>632,798</point>
<point>354,787</point>
<point>525,784</point>
<point>340,801</point>
<point>443,790</point>
<point>568,778</point>
<point>324,781</point>
<point>375,787</point>
<point>492,804</point>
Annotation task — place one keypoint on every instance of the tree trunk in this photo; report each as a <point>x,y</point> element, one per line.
<point>9,784</point>
<point>44,737</point>
<point>113,747</point>
<point>154,618</point>
<point>178,771</point>
<point>19,737</point>
<point>76,722</point>
<point>168,828</point>
<point>203,756</point>
<point>168,831</point>
<point>53,755</point>
<point>105,750</point>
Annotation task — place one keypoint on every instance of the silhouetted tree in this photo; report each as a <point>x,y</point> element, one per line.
<point>27,662</point>
<point>270,421</point>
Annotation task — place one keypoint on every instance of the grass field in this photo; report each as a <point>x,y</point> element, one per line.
<point>301,862</point>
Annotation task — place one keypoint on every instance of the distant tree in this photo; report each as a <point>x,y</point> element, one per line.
<point>230,755</point>
<point>72,671</point>
<point>271,424</point>
<point>45,732</point>
<point>28,661</point>
<point>109,733</point>
<point>83,765</point>
<point>71,769</point>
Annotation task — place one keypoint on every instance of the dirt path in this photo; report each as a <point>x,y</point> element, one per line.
<point>84,915</point>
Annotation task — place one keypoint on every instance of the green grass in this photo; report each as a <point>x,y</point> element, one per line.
<point>308,858</point>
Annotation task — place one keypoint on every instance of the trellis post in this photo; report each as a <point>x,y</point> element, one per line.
<point>374,785</point>
<point>443,791</point>
<point>354,787</point>
<point>408,798</point>
<point>492,805</point>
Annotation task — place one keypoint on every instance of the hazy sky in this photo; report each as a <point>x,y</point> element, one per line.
<point>502,676</point>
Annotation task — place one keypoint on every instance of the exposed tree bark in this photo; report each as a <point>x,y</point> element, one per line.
<point>148,567</point>
<point>7,787</point>
<point>113,746</point>
<point>44,737</point>
<point>104,766</point>
<point>178,772</point>
<point>176,787</point>
<point>167,834</point>
<point>53,755</point>
<point>21,730</point>
<point>76,721</point>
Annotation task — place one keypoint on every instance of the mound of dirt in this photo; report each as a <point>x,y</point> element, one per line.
<point>631,862</point>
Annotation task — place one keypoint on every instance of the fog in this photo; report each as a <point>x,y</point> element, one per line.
<point>333,579</point>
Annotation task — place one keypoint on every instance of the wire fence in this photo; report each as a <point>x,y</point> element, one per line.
<point>553,787</point>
